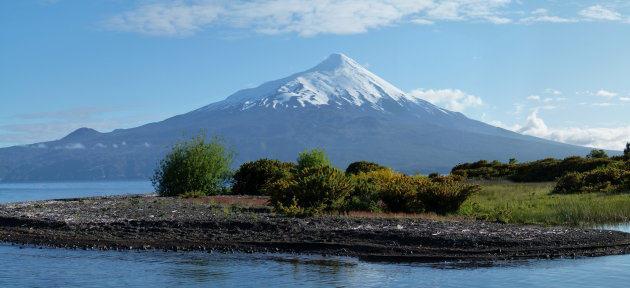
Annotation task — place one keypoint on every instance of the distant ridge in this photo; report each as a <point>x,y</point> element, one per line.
<point>337,105</point>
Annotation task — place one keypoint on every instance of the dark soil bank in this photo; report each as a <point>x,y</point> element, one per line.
<point>150,222</point>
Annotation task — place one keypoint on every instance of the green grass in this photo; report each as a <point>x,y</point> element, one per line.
<point>533,203</point>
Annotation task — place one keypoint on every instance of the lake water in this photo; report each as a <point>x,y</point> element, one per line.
<point>34,266</point>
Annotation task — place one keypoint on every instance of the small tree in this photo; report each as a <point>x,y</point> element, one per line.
<point>193,165</point>
<point>311,159</point>
<point>513,161</point>
<point>597,154</point>
<point>626,152</point>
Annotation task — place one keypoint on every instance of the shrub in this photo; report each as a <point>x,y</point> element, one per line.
<point>314,158</point>
<point>605,180</point>
<point>594,154</point>
<point>317,189</point>
<point>195,165</point>
<point>626,152</point>
<point>610,180</point>
<point>444,194</point>
<point>251,178</point>
<point>571,182</point>
<point>363,166</point>
<point>399,194</point>
<point>365,194</point>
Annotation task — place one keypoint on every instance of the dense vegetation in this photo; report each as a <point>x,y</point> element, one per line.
<point>572,191</point>
<point>196,168</point>
<point>537,171</point>
<point>318,187</point>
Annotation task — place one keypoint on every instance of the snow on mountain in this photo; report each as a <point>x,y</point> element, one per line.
<point>337,81</point>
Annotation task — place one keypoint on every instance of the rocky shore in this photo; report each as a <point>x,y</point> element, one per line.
<point>151,222</point>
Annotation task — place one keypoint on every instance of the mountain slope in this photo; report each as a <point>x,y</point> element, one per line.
<point>337,105</point>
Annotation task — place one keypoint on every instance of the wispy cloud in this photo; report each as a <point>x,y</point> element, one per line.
<point>606,94</point>
<point>541,15</point>
<point>304,17</point>
<point>553,91</point>
<point>47,126</point>
<point>598,12</point>
<point>309,18</point>
<point>452,99</point>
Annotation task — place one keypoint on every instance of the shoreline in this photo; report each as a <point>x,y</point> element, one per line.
<point>148,222</point>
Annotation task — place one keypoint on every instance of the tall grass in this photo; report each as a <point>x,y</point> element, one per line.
<point>533,203</point>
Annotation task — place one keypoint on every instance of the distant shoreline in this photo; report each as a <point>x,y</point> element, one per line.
<point>149,222</point>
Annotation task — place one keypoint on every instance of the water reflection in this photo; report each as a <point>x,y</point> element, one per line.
<point>42,266</point>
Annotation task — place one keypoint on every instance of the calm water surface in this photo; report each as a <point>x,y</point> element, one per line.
<point>34,266</point>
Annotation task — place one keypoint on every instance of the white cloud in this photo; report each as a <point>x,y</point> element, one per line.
<point>455,100</point>
<point>603,138</point>
<point>533,97</point>
<point>607,94</point>
<point>552,91</point>
<point>546,18</point>
<point>598,12</point>
<point>304,17</point>
<point>540,15</point>
<point>604,104</point>
<point>422,21</point>
<point>534,126</point>
<point>624,98</point>
<point>540,11</point>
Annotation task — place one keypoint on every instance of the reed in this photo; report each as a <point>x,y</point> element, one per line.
<point>534,203</point>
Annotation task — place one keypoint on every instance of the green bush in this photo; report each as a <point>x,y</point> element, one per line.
<point>399,194</point>
<point>311,159</point>
<point>571,182</point>
<point>626,152</point>
<point>443,194</point>
<point>195,165</point>
<point>311,190</point>
<point>365,194</point>
<point>363,166</point>
<point>484,170</point>
<point>594,154</point>
<point>252,178</point>
<point>611,180</point>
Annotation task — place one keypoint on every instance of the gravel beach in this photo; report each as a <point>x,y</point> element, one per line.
<point>150,222</point>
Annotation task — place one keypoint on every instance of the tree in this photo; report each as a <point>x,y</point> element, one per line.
<point>595,154</point>
<point>311,159</point>
<point>512,161</point>
<point>195,165</point>
<point>626,152</point>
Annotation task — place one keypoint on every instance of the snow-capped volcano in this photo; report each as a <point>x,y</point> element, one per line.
<point>337,81</point>
<point>337,105</point>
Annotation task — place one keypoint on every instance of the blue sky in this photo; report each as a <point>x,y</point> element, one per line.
<point>552,69</point>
